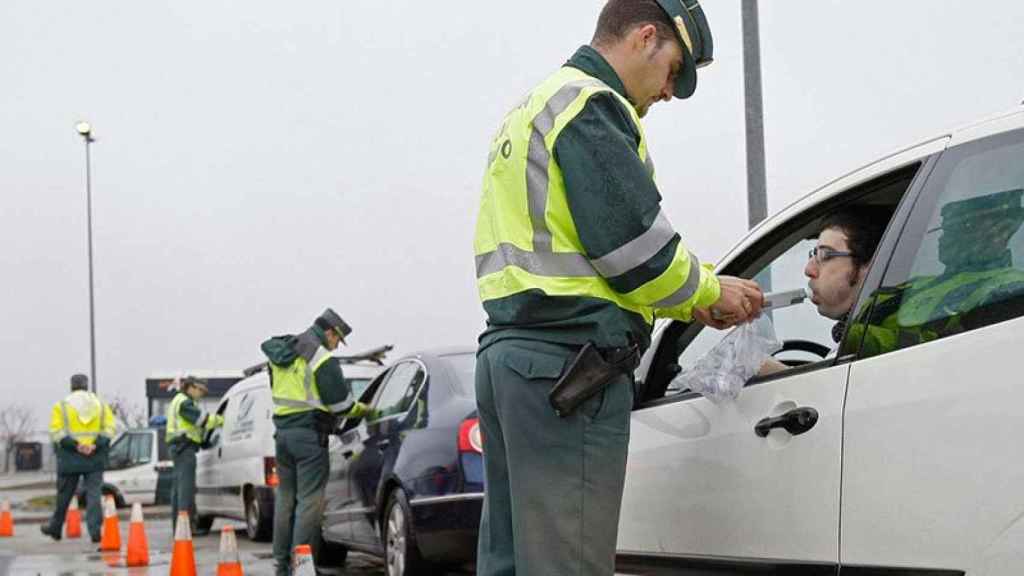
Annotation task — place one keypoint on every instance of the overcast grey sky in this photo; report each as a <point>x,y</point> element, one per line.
<point>258,160</point>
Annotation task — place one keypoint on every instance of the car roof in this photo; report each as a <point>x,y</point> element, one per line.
<point>439,352</point>
<point>995,123</point>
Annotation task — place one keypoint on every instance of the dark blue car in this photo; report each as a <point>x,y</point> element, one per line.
<point>408,484</point>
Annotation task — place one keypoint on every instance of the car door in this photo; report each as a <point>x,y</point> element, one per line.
<point>931,480</point>
<point>142,455</point>
<point>208,470</point>
<point>752,484</point>
<point>380,446</point>
<point>341,509</point>
<point>232,461</point>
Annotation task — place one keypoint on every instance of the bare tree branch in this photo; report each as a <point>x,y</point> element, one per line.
<point>15,426</point>
<point>131,414</point>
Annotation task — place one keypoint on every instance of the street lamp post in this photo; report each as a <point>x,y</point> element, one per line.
<point>85,131</point>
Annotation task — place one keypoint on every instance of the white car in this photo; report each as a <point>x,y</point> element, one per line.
<point>897,461</point>
<point>138,462</point>
<point>236,473</point>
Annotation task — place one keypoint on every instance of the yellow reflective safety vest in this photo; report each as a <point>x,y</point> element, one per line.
<point>525,235</point>
<point>83,416</point>
<point>295,389</point>
<point>178,426</point>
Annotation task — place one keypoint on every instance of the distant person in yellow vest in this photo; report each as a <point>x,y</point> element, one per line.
<point>81,426</point>
<point>187,423</point>
<point>310,395</point>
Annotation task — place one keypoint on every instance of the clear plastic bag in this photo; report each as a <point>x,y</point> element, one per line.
<point>720,374</point>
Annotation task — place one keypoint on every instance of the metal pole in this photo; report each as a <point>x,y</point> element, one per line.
<point>757,199</point>
<point>92,305</point>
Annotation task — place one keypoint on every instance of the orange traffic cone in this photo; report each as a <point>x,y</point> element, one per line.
<point>302,561</point>
<point>73,528</point>
<point>183,559</point>
<point>111,541</point>
<point>229,563</point>
<point>138,548</point>
<point>6,522</point>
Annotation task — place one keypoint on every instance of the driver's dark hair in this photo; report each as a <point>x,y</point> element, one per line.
<point>863,227</point>
<point>619,17</point>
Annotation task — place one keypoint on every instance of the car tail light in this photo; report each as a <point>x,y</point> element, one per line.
<point>471,438</point>
<point>270,471</point>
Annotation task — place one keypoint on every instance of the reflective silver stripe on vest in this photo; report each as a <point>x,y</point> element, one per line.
<point>343,406</point>
<point>557,264</point>
<point>538,157</point>
<point>638,250</point>
<point>687,290</point>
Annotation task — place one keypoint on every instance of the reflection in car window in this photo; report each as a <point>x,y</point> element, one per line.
<point>464,368</point>
<point>400,389</point>
<point>966,251</point>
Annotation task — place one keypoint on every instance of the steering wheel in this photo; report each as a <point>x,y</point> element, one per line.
<point>803,346</point>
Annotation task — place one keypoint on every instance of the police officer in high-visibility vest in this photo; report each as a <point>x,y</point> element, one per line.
<point>310,393</point>
<point>574,260</point>
<point>187,424</point>
<point>81,426</point>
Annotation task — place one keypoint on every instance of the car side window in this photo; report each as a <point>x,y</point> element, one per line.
<point>401,388</point>
<point>141,450</point>
<point>777,262</point>
<point>118,456</point>
<point>960,262</point>
<point>799,322</point>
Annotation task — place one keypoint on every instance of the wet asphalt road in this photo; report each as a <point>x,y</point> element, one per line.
<point>31,553</point>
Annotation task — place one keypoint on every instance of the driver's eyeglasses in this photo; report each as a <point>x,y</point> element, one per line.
<point>820,254</point>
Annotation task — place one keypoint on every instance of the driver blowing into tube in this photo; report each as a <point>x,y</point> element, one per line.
<point>837,266</point>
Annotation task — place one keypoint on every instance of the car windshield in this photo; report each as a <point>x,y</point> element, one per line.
<point>464,367</point>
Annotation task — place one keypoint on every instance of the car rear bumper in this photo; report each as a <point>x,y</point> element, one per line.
<point>447,526</point>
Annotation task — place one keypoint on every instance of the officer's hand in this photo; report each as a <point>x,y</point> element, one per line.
<point>740,301</point>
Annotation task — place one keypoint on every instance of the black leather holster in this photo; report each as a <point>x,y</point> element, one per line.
<point>589,372</point>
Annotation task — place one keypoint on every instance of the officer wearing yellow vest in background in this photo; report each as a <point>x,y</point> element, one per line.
<point>81,426</point>
<point>574,260</point>
<point>310,394</point>
<point>187,424</point>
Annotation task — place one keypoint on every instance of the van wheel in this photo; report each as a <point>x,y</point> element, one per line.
<point>258,525</point>
<point>401,552</point>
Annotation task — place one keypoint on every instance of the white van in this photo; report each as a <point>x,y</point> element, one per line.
<point>137,462</point>
<point>236,473</point>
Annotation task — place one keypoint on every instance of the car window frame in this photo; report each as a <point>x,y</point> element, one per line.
<point>756,256</point>
<point>905,246</point>
<point>415,398</point>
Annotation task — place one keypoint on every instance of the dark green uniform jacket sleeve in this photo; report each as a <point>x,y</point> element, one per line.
<point>611,195</point>
<point>189,412</point>
<point>330,380</point>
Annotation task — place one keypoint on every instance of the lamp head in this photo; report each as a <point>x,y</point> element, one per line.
<point>84,129</point>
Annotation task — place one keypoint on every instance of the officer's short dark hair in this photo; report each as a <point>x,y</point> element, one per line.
<point>863,227</point>
<point>619,17</point>
<point>79,382</point>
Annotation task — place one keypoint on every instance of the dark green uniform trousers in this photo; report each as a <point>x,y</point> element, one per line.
<point>67,485</point>
<point>302,467</point>
<point>183,492</point>
<point>553,485</point>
